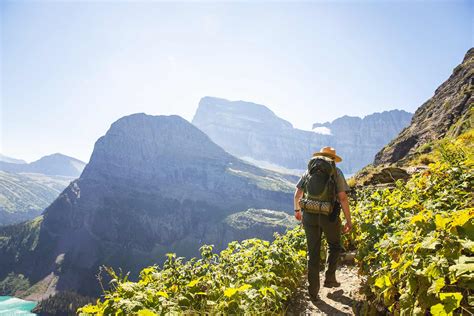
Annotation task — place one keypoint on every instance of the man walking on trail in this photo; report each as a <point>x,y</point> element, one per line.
<point>319,196</point>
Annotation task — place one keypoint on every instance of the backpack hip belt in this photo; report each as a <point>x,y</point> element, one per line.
<point>316,207</point>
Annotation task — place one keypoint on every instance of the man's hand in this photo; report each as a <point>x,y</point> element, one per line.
<point>347,227</point>
<point>298,215</point>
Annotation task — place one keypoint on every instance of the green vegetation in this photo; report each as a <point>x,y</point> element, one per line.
<point>253,276</point>
<point>62,303</point>
<point>254,218</point>
<point>25,196</point>
<point>268,182</point>
<point>14,283</point>
<point>416,241</point>
<point>21,237</point>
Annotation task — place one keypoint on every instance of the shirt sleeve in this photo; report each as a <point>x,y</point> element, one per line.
<point>341,184</point>
<point>301,182</point>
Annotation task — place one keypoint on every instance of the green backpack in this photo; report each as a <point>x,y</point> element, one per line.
<point>320,183</point>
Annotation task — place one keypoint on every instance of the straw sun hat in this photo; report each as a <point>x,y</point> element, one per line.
<point>328,152</point>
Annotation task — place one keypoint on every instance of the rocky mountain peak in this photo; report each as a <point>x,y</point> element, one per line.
<point>147,144</point>
<point>253,132</point>
<point>469,55</point>
<point>154,184</point>
<point>248,113</point>
<point>448,112</point>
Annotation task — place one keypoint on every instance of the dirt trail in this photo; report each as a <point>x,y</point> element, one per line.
<point>333,301</point>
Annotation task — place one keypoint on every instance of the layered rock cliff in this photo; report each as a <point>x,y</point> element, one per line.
<point>447,113</point>
<point>154,185</point>
<point>253,131</point>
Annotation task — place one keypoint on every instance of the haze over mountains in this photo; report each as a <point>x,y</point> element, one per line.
<point>250,130</point>
<point>27,189</point>
<point>154,184</point>
<point>10,159</point>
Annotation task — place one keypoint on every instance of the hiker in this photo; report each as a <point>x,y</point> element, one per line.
<point>319,196</point>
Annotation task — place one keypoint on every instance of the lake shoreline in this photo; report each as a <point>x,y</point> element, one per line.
<point>13,305</point>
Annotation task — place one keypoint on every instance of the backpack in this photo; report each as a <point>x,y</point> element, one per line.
<point>320,183</point>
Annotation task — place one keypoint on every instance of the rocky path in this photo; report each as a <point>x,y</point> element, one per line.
<point>333,301</point>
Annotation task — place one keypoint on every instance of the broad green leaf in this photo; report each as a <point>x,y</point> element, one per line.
<point>146,312</point>
<point>436,286</point>
<point>192,283</point>
<point>451,301</point>
<point>438,310</point>
<point>380,282</point>
<point>229,292</point>
<point>441,222</point>
<point>161,293</point>
<point>244,287</point>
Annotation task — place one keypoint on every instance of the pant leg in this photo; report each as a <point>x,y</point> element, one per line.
<point>332,231</point>
<point>313,238</point>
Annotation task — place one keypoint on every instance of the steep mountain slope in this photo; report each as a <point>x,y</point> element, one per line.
<point>253,131</point>
<point>448,112</point>
<point>55,164</point>
<point>26,189</point>
<point>25,196</point>
<point>153,185</point>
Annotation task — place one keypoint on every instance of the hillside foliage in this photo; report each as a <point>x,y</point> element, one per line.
<point>415,242</point>
<point>252,276</point>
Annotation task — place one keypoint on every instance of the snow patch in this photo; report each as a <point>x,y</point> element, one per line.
<point>322,130</point>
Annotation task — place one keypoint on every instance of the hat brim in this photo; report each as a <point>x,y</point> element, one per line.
<point>336,158</point>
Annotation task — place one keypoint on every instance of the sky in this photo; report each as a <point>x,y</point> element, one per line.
<point>69,69</point>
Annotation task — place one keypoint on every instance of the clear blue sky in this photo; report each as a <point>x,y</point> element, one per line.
<point>69,69</point>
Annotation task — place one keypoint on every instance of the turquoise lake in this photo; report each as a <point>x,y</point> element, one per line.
<point>14,306</point>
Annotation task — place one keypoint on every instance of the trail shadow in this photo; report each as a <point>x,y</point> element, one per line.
<point>341,298</point>
<point>333,304</point>
<point>327,309</point>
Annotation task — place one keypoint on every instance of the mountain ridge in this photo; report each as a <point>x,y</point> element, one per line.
<point>55,164</point>
<point>154,184</point>
<point>447,113</point>
<point>10,159</point>
<point>246,129</point>
<point>26,189</point>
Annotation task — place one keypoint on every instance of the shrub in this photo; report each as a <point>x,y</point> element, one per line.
<point>252,276</point>
<point>416,241</point>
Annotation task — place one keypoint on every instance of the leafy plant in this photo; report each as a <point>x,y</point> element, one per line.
<point>252,276</point>
<point>415,242</point>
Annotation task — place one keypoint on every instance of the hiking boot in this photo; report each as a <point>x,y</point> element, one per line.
<point>328,283</point>
<point>314,297</point>
<point>330,280</point>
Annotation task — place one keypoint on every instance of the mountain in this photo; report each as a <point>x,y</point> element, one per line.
<point>55,165</point>
<point>26,189</point>
<point>24,196</point>
<point>10,159</point>
<point>447,113</point>
<point>154,185</point>
<point>252,131</point>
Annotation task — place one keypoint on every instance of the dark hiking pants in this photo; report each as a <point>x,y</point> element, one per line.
<point>314,226</point>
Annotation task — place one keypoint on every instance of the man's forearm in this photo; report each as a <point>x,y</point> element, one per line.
<point>297,197</point>
<point>345,209</point>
